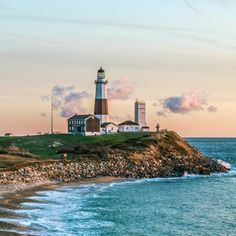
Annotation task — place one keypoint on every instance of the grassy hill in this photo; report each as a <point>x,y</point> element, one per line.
<point>131,155</point>
<point>42,145</point>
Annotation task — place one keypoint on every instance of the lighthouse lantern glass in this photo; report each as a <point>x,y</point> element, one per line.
<point>101,75</point>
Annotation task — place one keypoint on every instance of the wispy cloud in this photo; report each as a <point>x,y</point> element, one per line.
<point>44,98</point>
<point>223,4</point>
<point>75,96</point>
<point>66,100</point>
<point>185,104</point>
<point>106,24</point>
<point>120,89</point>
<point>212,109</point>
<point>192,7</point>
<point>60,90</point>
<point>43,115</point>
<point>161,113</point>
<point>183,32</point>
<point>72,108</point>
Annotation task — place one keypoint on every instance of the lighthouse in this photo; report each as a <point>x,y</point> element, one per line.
<point>101,101</point>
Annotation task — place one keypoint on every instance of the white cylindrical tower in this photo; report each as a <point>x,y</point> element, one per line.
<point>101,101</point>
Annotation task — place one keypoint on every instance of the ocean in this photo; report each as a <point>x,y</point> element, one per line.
<point>190,205</point>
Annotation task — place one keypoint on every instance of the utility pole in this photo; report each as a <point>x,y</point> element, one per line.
<point>52,118</point>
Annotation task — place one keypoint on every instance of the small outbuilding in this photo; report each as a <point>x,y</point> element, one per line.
<point>109,128</point>
<point>84,125</point>
<point>129,126</point>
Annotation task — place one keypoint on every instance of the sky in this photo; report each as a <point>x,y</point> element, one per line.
<point>178,56</point>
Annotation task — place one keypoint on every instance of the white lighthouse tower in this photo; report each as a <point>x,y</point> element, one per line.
<point>101,101</point>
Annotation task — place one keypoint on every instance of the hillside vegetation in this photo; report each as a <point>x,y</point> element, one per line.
<point>14,150</point>
<point>129,155</point>
<point>163,146</point>
<point>42,145</point>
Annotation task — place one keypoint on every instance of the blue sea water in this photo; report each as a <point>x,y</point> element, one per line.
<point>192,205</point>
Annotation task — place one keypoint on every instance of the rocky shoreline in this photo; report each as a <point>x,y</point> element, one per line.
<point>156,155</point>
<point>67,171</point>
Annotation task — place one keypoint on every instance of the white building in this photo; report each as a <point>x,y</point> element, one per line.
<point>109,128</point>
<point>140,113</point>
<point>129,126</point>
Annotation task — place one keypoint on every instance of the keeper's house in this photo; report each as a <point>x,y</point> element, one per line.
<point>129,126</point>
<point>84,125</point>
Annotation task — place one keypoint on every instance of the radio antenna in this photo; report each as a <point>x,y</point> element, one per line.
<point>52,115</point>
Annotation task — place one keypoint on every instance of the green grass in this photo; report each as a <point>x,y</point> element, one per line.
<point>39,145</point>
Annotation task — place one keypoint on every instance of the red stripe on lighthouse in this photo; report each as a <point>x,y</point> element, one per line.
<point>101,107</point>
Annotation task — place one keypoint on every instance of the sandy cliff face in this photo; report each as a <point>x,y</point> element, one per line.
<point>163,154</point>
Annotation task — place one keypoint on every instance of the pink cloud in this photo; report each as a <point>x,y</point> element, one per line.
<point>72,108</point>
<point>67,101</point>
<point>186,103</point>
<point>120,89</point>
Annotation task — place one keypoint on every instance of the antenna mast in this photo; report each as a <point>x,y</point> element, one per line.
<point>52,118</point>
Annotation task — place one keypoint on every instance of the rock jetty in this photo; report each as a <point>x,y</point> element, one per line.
<point>163,154</point>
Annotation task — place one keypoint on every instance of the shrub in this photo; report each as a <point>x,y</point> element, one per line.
<point>2,151</point>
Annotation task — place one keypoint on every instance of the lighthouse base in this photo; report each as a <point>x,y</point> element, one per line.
<point>102,118</point>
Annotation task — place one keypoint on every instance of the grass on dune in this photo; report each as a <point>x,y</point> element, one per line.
<point>39,144</point>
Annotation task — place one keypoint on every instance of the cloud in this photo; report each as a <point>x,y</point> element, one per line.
<point>74,96</point>
<point>212,109</point>
<point>102,23</point>
<point>72,108</point>
<point>179,32</point>
<point>45,98</point>
<point>161,113</point>
<point>192,7</point>
<point>60,90</point>
<point>120,89</point>
<point>57,102</point>
<point>186,103</point>
<point>66,100</point>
